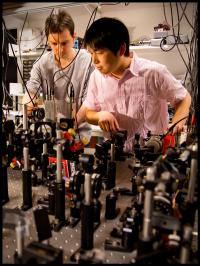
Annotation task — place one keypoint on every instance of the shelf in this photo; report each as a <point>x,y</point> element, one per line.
<point>143,47</point>
<point>26,54</point>
<point>154,48</point>
<point>171,59</point>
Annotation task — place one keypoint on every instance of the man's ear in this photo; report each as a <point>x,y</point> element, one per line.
<point>122,49</point>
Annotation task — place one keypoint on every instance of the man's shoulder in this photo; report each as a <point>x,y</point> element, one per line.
<point>44,60</point>
<point>145,61</point>
<point>83,54</point>
<point>147,64</point>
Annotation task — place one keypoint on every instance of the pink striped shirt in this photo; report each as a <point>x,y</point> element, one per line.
<point>139,100</point>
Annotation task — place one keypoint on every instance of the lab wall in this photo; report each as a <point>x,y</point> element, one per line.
<point>140,18</point>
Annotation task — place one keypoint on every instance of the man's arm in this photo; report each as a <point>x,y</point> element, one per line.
<point>181,110</point>
<point>104,119</point>
<point>81,115</point>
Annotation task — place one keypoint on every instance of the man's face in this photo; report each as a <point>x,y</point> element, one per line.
<point>104,60</point>
<point>61,43</point>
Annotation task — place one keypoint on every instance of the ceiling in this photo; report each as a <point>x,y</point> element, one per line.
<point>16,8</point>
<point>11,8</point>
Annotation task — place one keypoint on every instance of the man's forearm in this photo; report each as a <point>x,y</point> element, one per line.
<point>81,115</point>
<point>92,117</point>
<point>181,114</point>
<point>182,109</point>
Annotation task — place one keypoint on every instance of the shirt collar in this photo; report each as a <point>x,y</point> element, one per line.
<point>134,67</point>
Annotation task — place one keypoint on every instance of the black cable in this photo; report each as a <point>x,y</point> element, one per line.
<point>171,26</point>
<point>17,63</point>
<point>5,90</point>
<point>171,15</point>
<point>62,69</point>
<point>89,69</point>
<point>164,42</point>
<point>178,33</point>
<point>176,39</point>
<point>20,103</point>
<point>46,39</point>
<point>170,129</point>
<point>10,36</point>
<point>186,16</point>
<point>86,81</point>
<point>77,52</point>
<point>21,36</point>
<point>5,71</point>
<point>93,14</point>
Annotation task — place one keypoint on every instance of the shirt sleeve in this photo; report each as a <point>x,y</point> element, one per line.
<point>35,81</point>
<point>91,100</point>
<point>169,87</point>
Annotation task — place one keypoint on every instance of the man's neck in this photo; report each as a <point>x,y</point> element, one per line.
<point>120,70</point>
<point>64,62</point>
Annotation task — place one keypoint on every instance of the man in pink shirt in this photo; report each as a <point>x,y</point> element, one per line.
<point>129,93</point>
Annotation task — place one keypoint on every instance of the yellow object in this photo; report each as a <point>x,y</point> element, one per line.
<point>72,131</point>
<point>12,165</point>
<point>85,140</point>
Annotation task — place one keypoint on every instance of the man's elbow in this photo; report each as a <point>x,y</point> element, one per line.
<point>188,99</point>
<point>87,114</point>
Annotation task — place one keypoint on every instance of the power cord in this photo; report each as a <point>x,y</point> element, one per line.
<point>171,128</point>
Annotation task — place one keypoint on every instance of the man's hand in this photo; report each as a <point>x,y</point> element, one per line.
<point>26,100</point>
<point>107,121</point>
<point>177,128</point>
<point>181,114</point>
<point>104,119</point>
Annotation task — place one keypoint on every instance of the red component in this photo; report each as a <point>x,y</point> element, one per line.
<point>64,162</point>
<point>14,160</point>
<point>67,135</point>
<point>168,141</point>
<point>77,146</point>
<point>193,120</point>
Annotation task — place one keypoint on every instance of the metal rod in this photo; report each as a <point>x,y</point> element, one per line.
<point>26,158</point>
<point>193,175</point>
<point>25,120</point>
<point>59,158</point>
<point>148,206</point>
<point>87,189</point>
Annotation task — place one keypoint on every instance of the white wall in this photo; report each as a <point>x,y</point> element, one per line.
<point>143,17</point>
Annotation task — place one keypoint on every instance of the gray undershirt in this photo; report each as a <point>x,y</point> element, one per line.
<point>46,76</point>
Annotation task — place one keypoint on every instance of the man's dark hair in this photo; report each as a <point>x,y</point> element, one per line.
<point>107,33</point>
<point>57,23</point>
